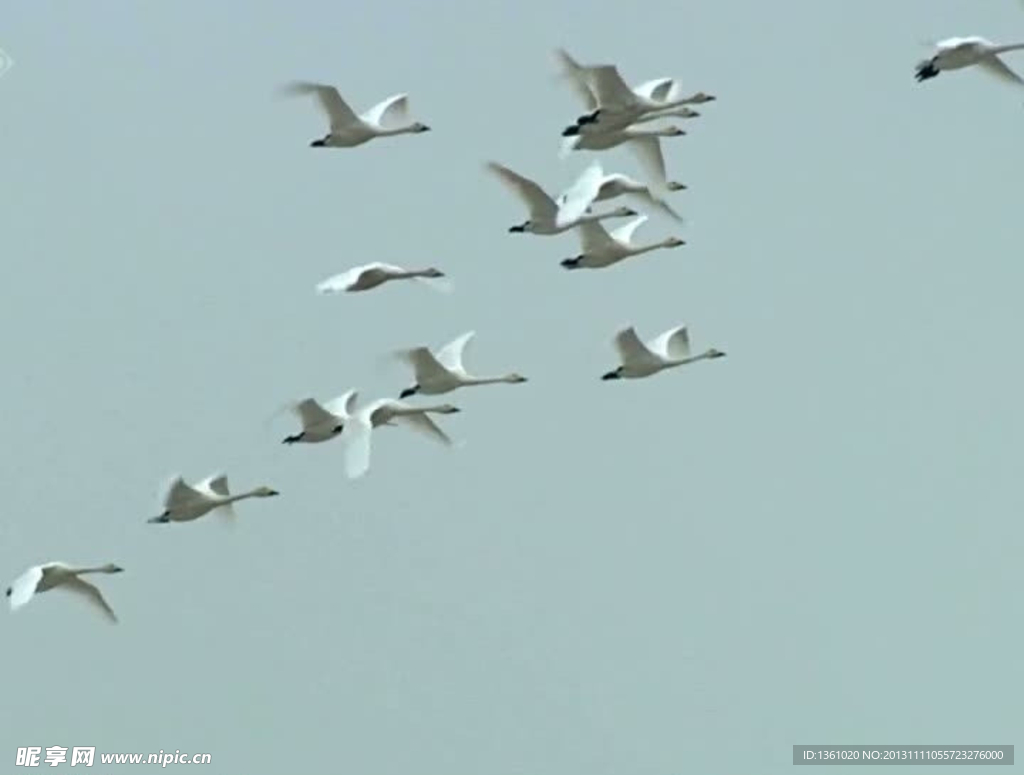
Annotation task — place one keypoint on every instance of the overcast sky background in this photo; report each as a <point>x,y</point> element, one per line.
<point>814,540</point>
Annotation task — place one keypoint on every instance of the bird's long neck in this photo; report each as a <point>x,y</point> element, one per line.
<point>636,251</point>
<point>488,380</point>
<point>401,130</point>
<point>1008,47</point>
<point>414,273</point>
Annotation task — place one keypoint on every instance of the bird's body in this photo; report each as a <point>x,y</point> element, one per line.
<point>614,105</point>
<point>442,372</point>
<point>51,575</point>
<point>322,422</point>
<point>349,129</point>
<point>386,411</point>
<point>602,248</point>
<point>548,216</point>
<point>184,503</point>
<point>642,359</point>
<point>958,53</point>
<point>369,276</point>
<point>617,184</point>
<point>644,143</point>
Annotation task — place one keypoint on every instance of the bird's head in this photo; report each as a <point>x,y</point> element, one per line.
<point>700,97</point>
<point>572,263</point>
<point>409,391</point>
<point>433,272</point>
<point>519,228</point>
<point>674,131</point>
<point>417,128</point>
<point>265,492</point>
<point>8,592</point>
<point>295,437</point>
<point>571,131</point>
<point>713,353</point>
<point>515,378</point>
<point>448,409</point>
<point>674,242</point>
<point>112,568</point>
<point>616,374</point>
<point>318,143</point>
<point>674,186</point>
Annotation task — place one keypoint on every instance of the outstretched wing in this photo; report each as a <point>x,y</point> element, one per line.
<point>609,88</point>
<point>658,89</point>
<point>624,234</point>
<point>24,587</point>
<point>580,195</point>
<point>673,344</point>
<point>340,114</point>
<point>390,113</point>
<point>576,74</point>
<point>89,592</point>
<point>422,422</point>
<point>541,206</point>
<point>631,349</point>
<point>312,414</point>
<point>343,406</point>
<point>450,356</point>
<point>424,364</point>
<point>179,495</point>
<point>594,237</point>
<point>356,445</point>
<point>215,485</point>
<point>995,66</point>
<point>647,149</point>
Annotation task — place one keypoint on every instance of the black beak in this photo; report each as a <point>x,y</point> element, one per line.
<point>571,263</point>
<point>8,591</point>
<point>274,492</point>
<point>317,144</point>
<point>570,131</point>
<point>516,229</point>
<point>408,392</point>
<point>611,375</point>
<point>291,439</point>
<point>425,129</point>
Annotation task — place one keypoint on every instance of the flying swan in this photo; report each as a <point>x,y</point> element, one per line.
<point>369,276</point>
<point>642,359</point>
<point>52,575</point>
<point>442,372</point>
<point>184,503</point>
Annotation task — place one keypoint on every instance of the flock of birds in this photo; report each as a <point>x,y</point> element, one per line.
<point>616,115</point>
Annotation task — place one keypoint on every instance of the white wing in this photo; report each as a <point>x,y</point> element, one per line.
<point>631,350</point>
<point>609,88</point>
<point>425,365</point>
<point>594,238</point>
<point>390,113</point>
<point>343,406</point>
<point>541,206</point>
<point>340,114</point>
<point>340,282</point>
<point>658,89</point>
<point>580,195</point>
<point>24,587</point>
<point>90,592</point>
<point>673,344</point>
<point>577,76</point>
<point>648,152</point>
<point>624,234</point>
<point>179,495</point>
<point>450,356</point>
<point>214,485</point>
<point>312,414</point>
<point>356,442</point>
<point>422,422</point>
<point>995,66</point>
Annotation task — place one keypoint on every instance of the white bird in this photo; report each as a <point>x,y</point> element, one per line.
<point>957,53</point>
<point>386,411</point>
<point>50,575</point>
<point>645,144</point>
<point>665,351</point>
<point>442,372</point>
<point>347,129</point>
<point>546,216</point>
<point>363,278</point>
<point>183,503</point>
<point>617,184</point>
<point>614,105</point>
<point>322,422</point>
<point>602,248</point>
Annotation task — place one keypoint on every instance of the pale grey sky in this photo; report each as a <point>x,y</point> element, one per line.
<point>814,540</point>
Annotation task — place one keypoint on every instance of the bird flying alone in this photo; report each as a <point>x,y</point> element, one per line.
<point>958,53</point>
<point>349,129</point>
<point>59,575</point>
